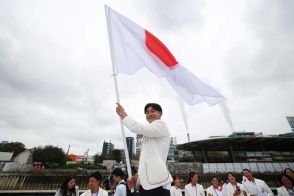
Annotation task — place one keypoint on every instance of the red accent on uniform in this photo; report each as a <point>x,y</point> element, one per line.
<point>160,50</point>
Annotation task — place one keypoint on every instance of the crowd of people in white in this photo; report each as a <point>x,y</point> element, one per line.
<point>250,186</point>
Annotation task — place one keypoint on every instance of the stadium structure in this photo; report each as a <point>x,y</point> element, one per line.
<point>265,155</point>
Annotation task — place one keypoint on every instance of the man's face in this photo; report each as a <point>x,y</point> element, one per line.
<point>93,184</point>
<point>152,115</point>
<point>248,175</point>
<point>116,179</point>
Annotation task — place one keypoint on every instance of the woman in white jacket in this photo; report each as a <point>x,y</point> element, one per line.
<point>68,187</point>
<point>215,189</point>
<point>175,190</point>
<point>287,188</point>
<point>234,188</point>
<point>193,188</point>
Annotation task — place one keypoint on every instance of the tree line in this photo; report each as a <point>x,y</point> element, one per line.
<point>53,156</point>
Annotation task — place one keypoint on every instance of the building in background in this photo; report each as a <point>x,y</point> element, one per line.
<point>265,155</point>
<point>252,150</point>
<point>6,156</point>
<point>130,145</point>
<point>107,148</point>
<point>139,139</point>
<point>79,158</point>
<point>172,148</point>
<point>25,157</point>
<point>290,120</point>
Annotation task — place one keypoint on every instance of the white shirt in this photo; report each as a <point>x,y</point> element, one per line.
<point>120,189</point>
<point>101,192</point>
<point>257,187</point>
<point>175,191</point>
<point>152,170</point>
<point>215,191</point>
<point>230,189</point>
<point>191,190</point>
<point>59,193</point>
<point>283,191</point>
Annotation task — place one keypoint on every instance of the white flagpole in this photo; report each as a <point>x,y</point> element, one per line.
<point>116,91</point>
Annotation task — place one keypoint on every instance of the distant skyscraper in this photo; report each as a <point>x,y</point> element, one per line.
<point>130,145</point>
<point>139,139</point>
<point>107,148</point>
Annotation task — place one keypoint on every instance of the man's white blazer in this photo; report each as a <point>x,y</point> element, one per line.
<point>152,170</point>
<point>261,185</point>
<point>101,192</point>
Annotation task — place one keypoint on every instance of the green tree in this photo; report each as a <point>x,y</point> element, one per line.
<point>116,155</point>
<point>15,147</point>
<point>50,156</point>
<point>98,159</point>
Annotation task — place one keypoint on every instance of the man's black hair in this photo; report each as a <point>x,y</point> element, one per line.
<point>97,175</point>
<point>118,172</point>
<point>155,106</point>
<point>247,170</point>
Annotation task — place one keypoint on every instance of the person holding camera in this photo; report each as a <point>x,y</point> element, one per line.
<point>215,189</point>
<point>234,188</point>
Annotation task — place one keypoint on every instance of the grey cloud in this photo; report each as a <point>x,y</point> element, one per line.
<point>250,70</point>
<point>173,15</point>
<point>48,94</point>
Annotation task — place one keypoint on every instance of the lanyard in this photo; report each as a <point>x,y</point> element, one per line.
<point>194,189</point>
<point>215,191</point>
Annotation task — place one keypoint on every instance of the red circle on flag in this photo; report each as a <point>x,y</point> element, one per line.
<point>160,50</point>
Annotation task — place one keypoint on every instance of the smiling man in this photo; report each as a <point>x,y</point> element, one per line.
<point>94,186</point>
<point>154,178</point>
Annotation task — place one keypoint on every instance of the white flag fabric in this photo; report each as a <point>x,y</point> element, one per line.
<point>133,48</point>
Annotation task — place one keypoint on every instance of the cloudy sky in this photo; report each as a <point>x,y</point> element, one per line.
<point>55,69</point>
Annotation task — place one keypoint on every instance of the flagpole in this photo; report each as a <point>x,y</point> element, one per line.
<point>117,92</point>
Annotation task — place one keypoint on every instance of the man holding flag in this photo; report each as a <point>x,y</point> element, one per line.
<point>132,48</point>
<point>154,178</point>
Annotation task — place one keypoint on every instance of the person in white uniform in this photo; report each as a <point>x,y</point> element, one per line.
<point>215,189</point>
<point>153,176</point>
<point>175,190</point>
<point>94,186</point>
<point>254,186</point>
<point>233,188</point>
<point>68,187</point>
<point>287,188</point>
<point>289,172</point>
<point>121,186</point>
<point>193,188</point>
